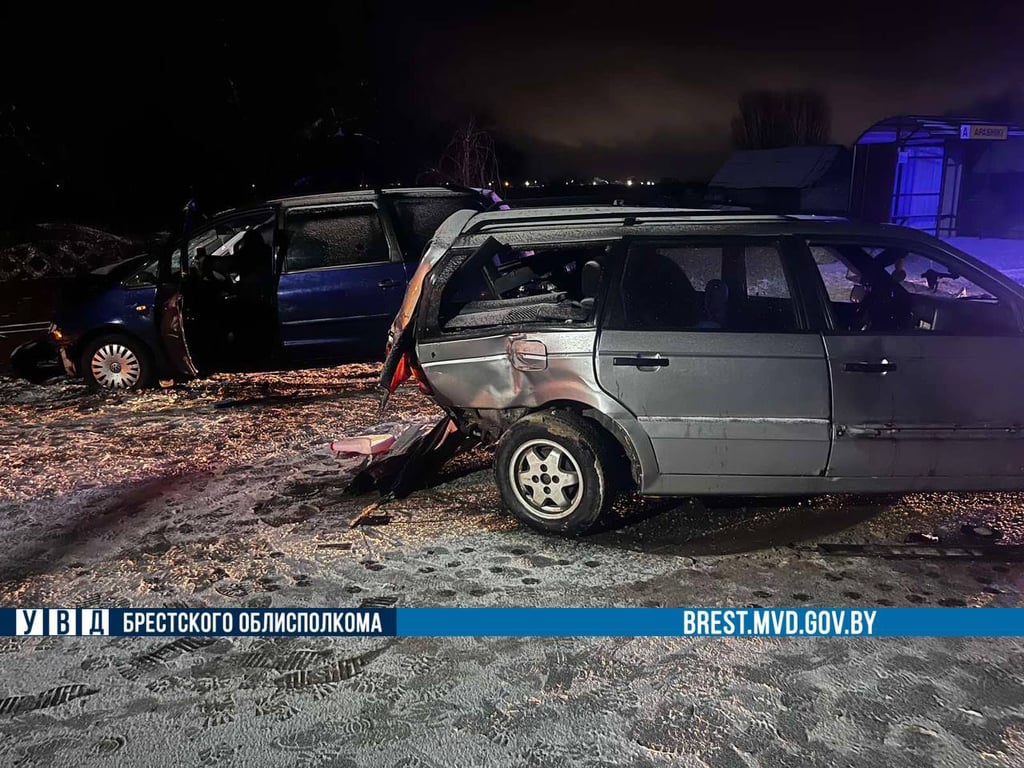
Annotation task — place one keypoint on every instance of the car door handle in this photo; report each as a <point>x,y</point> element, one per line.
<point>643,363</point>
<point>389,283</point>
<point>864,366</point>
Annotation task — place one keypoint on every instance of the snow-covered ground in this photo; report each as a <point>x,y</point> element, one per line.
<point>1006,255</point>
<point>223,493</point>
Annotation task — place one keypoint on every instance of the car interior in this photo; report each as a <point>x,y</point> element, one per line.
<point>892,290</point>
<point>705,288</point>
<point>231,297</point>
<point>501,286</point>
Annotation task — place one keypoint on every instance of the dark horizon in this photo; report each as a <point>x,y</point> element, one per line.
<point>123,115</point>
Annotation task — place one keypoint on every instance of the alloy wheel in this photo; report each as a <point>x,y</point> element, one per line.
<point>546,479</point>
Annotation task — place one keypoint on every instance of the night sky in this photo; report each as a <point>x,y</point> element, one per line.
<point>108,109</point>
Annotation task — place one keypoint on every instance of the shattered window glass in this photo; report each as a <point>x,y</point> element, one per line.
<point>335,237</point>
<point>521,287</point>
<point>728,287</point>
<point>417,220</point>
<point>839,276</point>
<point>765,276</point>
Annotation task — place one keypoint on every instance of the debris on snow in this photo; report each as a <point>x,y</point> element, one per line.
<point>369,445</point>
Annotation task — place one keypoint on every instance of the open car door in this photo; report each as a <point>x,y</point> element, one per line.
<point>170,311</point>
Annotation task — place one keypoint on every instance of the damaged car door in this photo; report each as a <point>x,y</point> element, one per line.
<point>706,344</point>
<point>342,281</point>
<point>170,312</point>
<point>926,356</point>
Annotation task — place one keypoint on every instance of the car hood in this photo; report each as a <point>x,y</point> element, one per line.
<point>85,288</point>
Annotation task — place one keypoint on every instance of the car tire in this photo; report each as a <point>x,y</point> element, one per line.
<point>115,361</point>
<point>566,496</point>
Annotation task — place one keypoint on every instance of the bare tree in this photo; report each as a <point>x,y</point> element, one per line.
<point>470,158</point>
<point>770,119</point>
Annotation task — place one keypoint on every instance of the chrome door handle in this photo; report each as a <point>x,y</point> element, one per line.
<point>389,283</point>
<point>864,366</point>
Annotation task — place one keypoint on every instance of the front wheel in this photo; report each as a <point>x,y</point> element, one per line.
<point>554,471</point>
<point>116,361</point>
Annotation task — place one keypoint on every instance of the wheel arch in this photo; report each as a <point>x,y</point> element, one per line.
<point>113,329</point>
<point>621,428</point>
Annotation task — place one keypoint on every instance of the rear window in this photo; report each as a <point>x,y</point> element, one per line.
<point>503,286</point>
<point>418,219</point>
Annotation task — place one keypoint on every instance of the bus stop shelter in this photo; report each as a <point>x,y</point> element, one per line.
<point>949,176</point>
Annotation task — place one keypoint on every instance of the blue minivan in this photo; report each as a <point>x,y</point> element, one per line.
<point>292,283</point>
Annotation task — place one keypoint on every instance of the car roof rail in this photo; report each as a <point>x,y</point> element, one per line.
<point>607,216</point>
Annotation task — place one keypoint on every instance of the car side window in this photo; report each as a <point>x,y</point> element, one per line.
<point>346,236</point>
<point>221,239</point>
<point>739,287</point>
<point>503,286</point>
<point>880,288</point>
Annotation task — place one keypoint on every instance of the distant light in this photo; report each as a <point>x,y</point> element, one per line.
<point>507,184</point>
<point>527,183</point>
<point>629,182</point>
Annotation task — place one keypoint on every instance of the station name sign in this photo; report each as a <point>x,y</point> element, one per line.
<point>984,132</point>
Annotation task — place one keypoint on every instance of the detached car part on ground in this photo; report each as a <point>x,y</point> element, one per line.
<point>687,352</point>
<point>292,283</point>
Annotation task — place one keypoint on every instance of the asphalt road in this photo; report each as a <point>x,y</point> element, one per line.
<point>223,493</point>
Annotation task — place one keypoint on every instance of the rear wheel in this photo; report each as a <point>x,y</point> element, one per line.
<point>554,472</point>
<point>116,361</point>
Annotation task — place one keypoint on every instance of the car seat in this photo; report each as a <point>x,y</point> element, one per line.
<point>716,304</point>
<point>657,294</point>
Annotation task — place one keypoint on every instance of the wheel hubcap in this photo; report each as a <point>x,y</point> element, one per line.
<point>116,366</point>
<point>546,479</point>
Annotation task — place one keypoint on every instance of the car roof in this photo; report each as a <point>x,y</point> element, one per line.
<point>352,196</point>
<point>371,194</point>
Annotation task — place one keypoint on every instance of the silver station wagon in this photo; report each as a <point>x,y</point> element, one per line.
<point>697,352</point>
